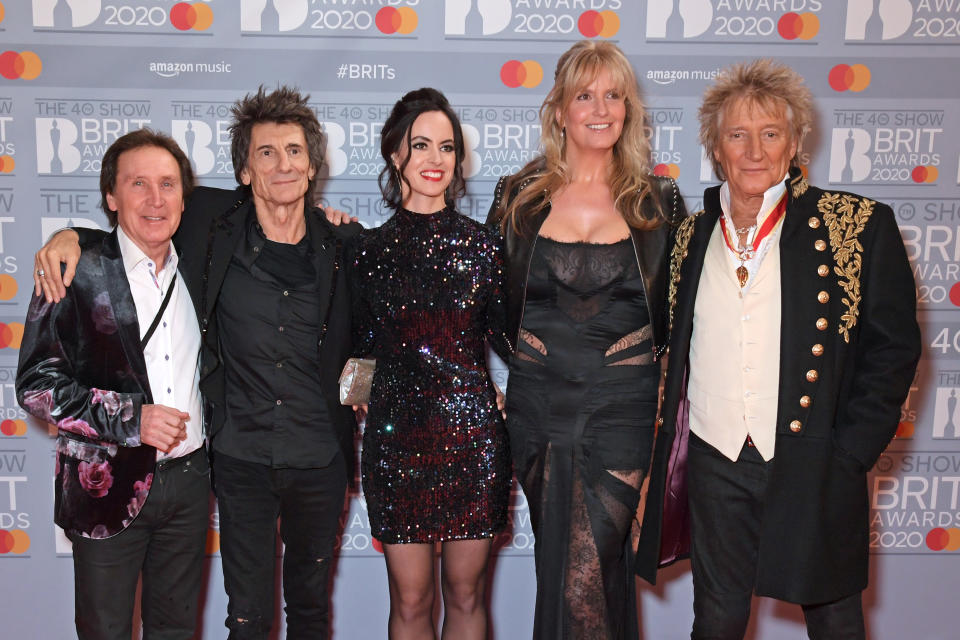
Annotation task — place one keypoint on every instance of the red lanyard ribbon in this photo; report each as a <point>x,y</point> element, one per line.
<point>768,225</point>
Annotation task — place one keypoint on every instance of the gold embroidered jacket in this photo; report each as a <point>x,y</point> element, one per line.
<point>848,353</point>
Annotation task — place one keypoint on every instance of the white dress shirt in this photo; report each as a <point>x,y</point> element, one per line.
<point>173,352</point>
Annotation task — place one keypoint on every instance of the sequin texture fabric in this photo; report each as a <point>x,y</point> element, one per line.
<point>435,461</point>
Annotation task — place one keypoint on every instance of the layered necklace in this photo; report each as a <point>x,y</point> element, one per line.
<point>750,245</point>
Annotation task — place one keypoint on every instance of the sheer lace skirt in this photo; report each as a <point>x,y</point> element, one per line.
<point>581,468</point>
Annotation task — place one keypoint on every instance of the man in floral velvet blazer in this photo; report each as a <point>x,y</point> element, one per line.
<point>132,477</point>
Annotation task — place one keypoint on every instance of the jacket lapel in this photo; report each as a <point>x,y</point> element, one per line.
<point>323,242</point>
<point>224,233</point>
<point>124,309</point>
<point>692,266</point>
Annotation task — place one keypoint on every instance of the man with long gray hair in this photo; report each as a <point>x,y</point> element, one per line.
<point>267,273</point>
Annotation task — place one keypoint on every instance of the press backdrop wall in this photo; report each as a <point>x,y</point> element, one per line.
<point>75,74</point>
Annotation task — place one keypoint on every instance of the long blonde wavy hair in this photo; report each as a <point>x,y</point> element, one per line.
<point>546,174</point>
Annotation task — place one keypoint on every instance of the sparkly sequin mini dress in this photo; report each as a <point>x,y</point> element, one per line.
<point>435,460</point>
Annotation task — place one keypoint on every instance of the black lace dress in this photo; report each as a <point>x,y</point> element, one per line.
<point>435,460</point>
<point>581,405</point>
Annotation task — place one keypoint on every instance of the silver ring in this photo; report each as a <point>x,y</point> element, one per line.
<point>41,273</point>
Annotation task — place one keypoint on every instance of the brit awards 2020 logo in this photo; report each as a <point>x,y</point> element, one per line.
<point>915,503</point>
<point>202,131</point>
<point>932,240</point>
<point>8,149</point>
<point>711,21</point>
<point>73,135</point>
<point>946,416</point>
<point>886,146</point>
<point>329,18</point>
<point>500,140</point>
<point>14,508</point>
<point>476,17</point>
<point>523,19</point>
<point>665,130</point>
<point>123,16</point>
<point>898,21</point>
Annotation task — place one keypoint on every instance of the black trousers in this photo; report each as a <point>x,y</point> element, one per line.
<point>308,503</point>
<point>166,542</point>
<point>726,511</point>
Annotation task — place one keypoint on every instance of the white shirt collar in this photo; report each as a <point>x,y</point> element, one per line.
<point>770,199</point>
<point>133,255</point>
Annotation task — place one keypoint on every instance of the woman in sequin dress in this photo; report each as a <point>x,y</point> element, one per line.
<point>587,237</point>
<point>435,462</point>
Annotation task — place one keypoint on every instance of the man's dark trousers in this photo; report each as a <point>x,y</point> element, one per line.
<point>726,512</point>
<point>308,502</point>
<point>167,541</point>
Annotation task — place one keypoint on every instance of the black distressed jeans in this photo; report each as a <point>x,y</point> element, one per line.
<point>308,503</point>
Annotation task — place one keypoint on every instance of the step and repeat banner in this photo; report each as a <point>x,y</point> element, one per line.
<point>76,74</point>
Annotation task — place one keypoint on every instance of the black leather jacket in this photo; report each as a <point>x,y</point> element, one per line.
<point>652,249</point>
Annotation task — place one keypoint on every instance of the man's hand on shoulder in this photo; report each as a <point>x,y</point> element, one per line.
<point>63,247</point>
<point>337,217</point>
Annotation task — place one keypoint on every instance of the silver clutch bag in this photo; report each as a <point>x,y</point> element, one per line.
<point>355,381</point>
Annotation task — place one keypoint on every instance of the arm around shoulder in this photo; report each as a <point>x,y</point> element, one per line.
<point>63,248</point>
<point>49,385</point>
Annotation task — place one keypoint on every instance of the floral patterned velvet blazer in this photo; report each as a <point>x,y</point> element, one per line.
<point>82,368</point>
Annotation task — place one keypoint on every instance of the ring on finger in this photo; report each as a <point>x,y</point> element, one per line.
<point>41,273</point>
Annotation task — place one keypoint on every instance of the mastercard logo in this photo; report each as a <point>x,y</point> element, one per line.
<point>955,294</point>
<point>24,65</point>
<point>941,539</point>
<point>397,20</point>
<point>13,427</point>
<point>798,25</point>
<point>185,16</point>
<point>2,12</point>
<point>14,541</point>
<point>6,164</point>
<point>8,284</point>
<point>904,430</point>
<point>925,174</point>
<point>11,333</point>
<point>849,77</point>
<point>598,23</point>
<point>667,170</point>
<point>515,73</point>
<point>377,545</point>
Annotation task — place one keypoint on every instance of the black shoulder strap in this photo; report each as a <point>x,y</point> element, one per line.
<point>156,319</point>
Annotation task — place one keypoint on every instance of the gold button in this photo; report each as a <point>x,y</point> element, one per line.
<point>823,270</point>
<point>822,323</point>
<point>812,375</point>
<point>805,401</point>
<point>820,245</point>
<point>795,424</point>
<point>823,297</point>
<point>817,350</point>
<point>814,222</point>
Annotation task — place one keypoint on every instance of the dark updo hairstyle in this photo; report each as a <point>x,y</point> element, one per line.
<point>396,132</point>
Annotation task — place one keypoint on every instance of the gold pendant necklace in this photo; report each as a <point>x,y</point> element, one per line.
<point>742,274</point>
<point>744,254</point>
